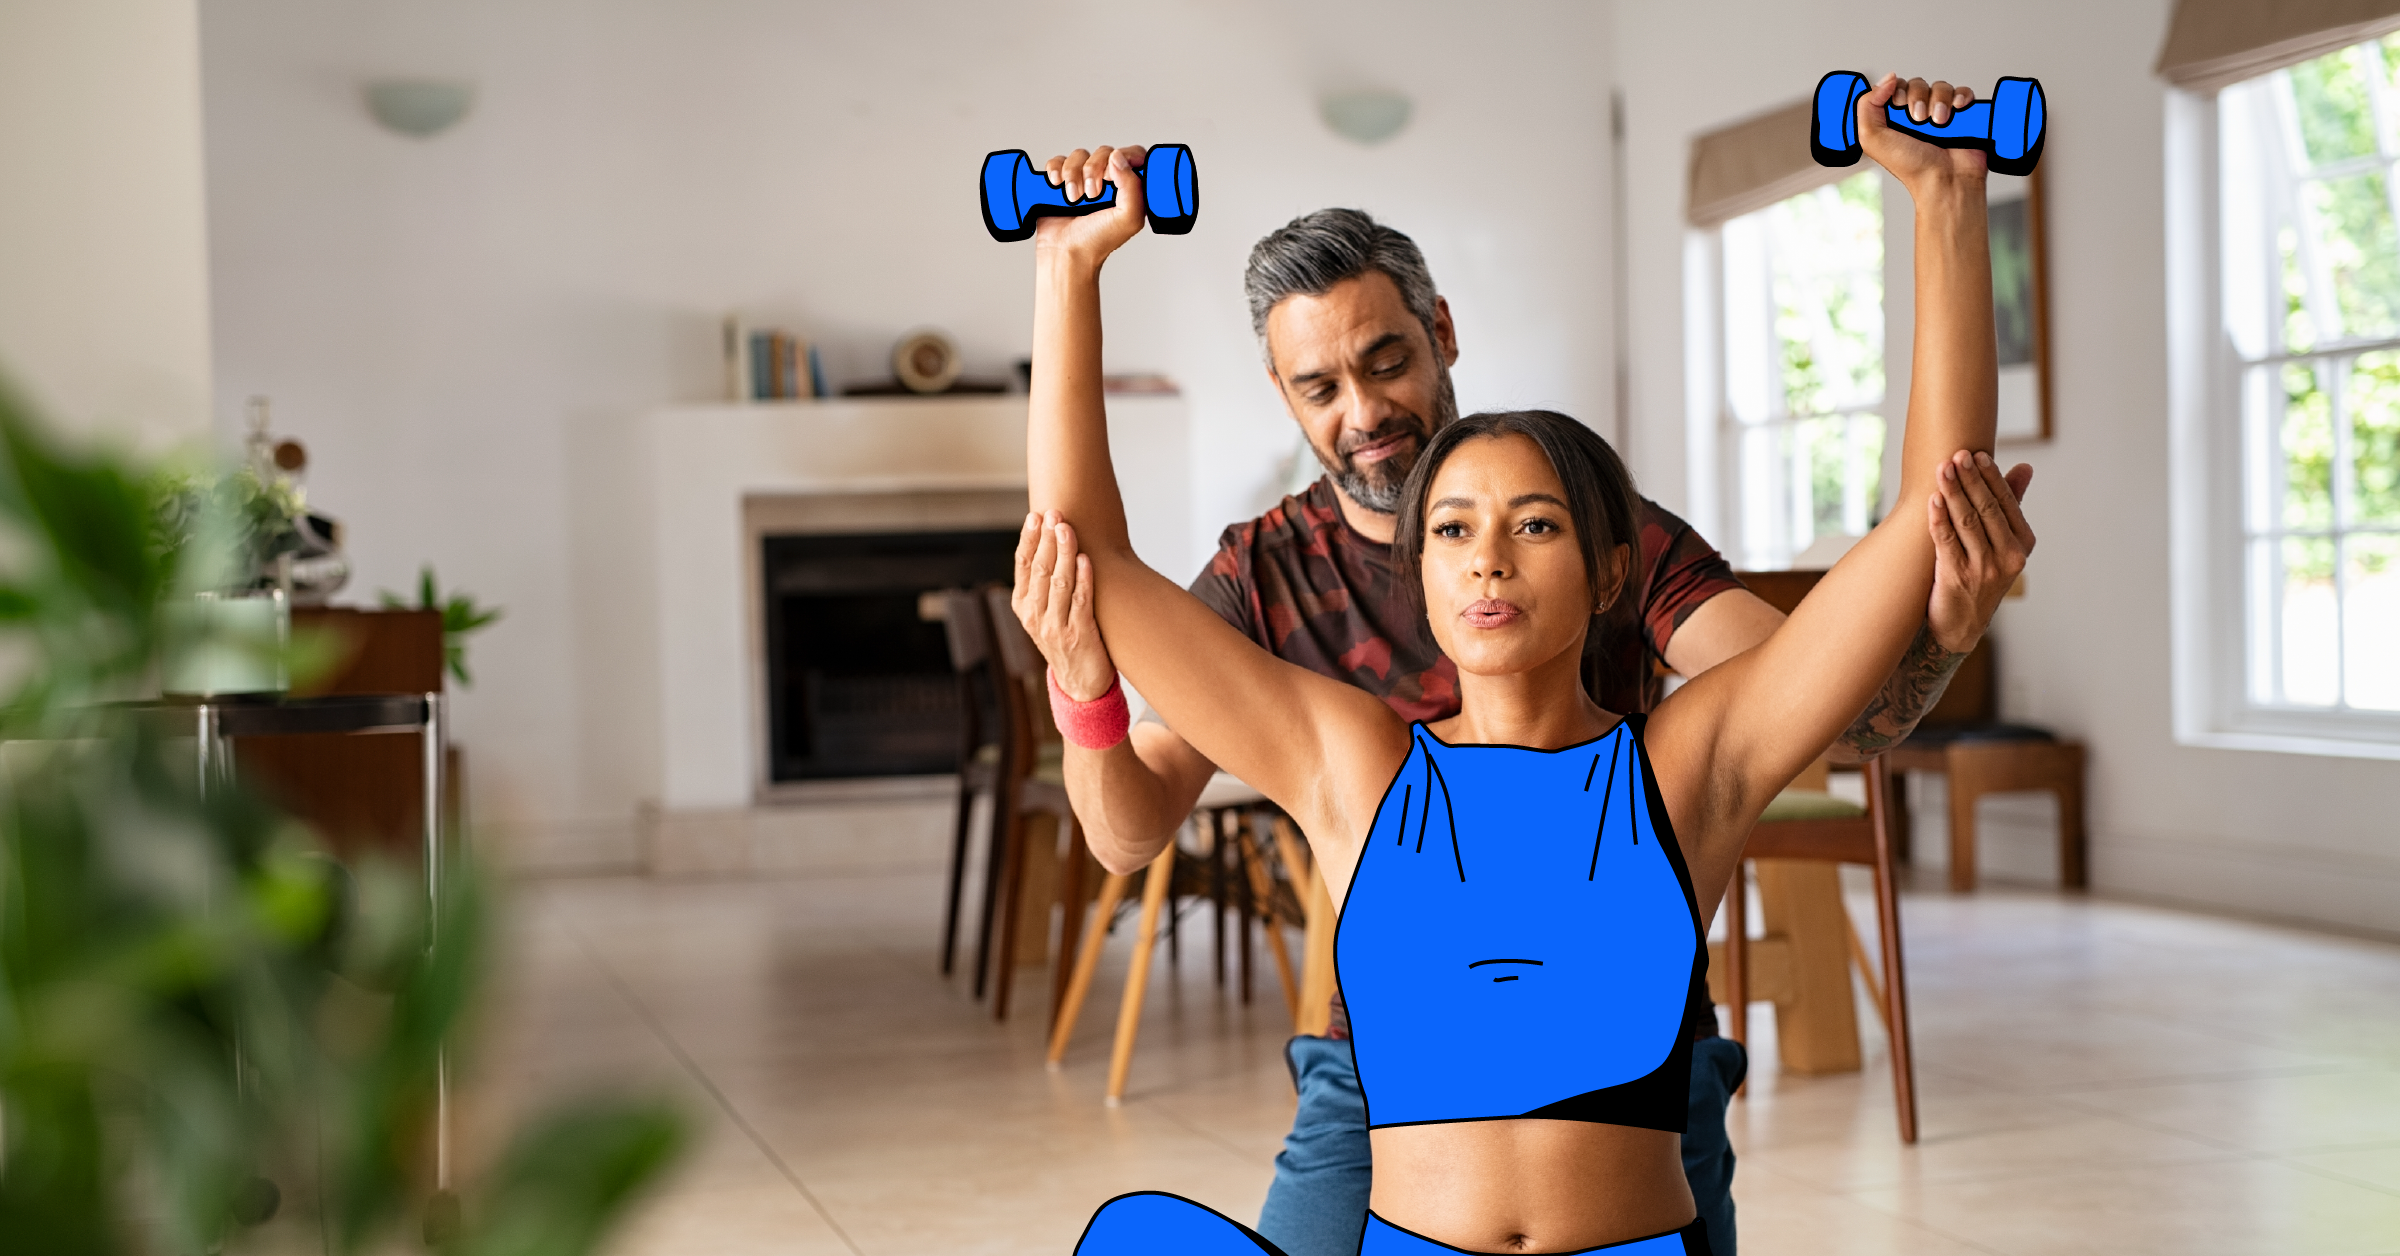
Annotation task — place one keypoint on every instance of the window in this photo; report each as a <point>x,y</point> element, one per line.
<point>1803,388</point>
<point>2310,284</point>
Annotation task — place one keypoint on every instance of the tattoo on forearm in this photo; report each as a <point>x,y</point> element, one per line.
<point>1914,687</point>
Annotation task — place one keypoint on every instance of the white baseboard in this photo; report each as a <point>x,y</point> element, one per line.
<point>563,848</point>
<point>2346,892</point>
<point>909,832</point>
<point>2017,843</point>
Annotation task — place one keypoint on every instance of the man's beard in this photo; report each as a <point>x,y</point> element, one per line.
<point>1377,485</point>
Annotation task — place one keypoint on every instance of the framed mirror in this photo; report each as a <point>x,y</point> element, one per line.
<point>2021,305</point>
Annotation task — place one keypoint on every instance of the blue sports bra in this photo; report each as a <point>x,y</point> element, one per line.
<point>1521,940</point>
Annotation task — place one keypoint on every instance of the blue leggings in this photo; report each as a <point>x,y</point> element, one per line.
<point>1153,1223</point>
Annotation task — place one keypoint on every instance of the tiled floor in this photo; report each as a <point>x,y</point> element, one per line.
<point>2096,1078</point>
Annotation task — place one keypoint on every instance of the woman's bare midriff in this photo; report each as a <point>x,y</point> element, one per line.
<point>1530,1186</point>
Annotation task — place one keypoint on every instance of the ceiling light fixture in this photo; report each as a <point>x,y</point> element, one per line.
<point>419,108</point>
<point>1369,117</point>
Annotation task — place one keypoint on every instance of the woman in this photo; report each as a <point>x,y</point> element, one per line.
<point>1534,862</point>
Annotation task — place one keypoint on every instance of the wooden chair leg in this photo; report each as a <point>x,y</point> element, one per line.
<point>1895,973</point>
<point>2072,870</point>
<point>1012,894</point>
<point>1070,916</point>
<point>1174,940</point>
<point>958,867</point>
<point>1087,960</point>
<point>1903,835</point>
<point>995,861</point>
<point>1966,785</point>
<point>1137,977</point>
<point>971,742</point>
<point>1246,907</point>
<point>1737,954</point>
<point>1262,892</point>
<point>1216,897</point>
<point>1317,985</point>
<point>1866,971</point>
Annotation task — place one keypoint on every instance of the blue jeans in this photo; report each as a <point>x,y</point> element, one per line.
<point>1318,1203</point>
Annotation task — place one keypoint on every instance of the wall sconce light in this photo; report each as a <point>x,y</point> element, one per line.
<point>420,108</point>
<point>1369,117</point>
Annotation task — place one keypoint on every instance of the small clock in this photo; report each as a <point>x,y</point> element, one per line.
<point>925,362</point>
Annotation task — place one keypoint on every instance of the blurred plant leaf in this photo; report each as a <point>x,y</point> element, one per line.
<point>568,1178</point>
<point>202,1017</point>
<point>460,617</point>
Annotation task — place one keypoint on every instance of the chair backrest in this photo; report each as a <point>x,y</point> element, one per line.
<point>1019,656</point>
<point>1971,697</point>
<point>1025,689</point>
<point>968,628</point>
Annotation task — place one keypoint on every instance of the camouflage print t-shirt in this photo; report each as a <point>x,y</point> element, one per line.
<point>1301,582</point>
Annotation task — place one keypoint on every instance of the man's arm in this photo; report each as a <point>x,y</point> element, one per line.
<point>1735,620</point>
<point>1924,672</point>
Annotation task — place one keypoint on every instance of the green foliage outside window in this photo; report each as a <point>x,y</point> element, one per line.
<point>2351,230</point>
<point>1828,294</point>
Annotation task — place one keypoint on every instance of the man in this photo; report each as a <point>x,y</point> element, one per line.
<point>1359,345</point>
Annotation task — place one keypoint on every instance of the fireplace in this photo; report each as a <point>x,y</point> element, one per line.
<point>724,478</point>
<point>858,682</point>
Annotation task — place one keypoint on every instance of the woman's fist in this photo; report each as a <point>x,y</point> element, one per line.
<point>1906,156</point>
<point>1092,237</point>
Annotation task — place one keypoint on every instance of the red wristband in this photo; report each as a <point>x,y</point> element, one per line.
<point>1095,725</point>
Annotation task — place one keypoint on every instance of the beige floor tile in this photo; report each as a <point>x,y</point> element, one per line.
<point>1780,1217</point>
<point>2272,1114</point>
<point>768,1217</point>
<point>2250,1207</point>
<point>2093,1077</point>
<point>1953,1150</point>
<point>2378,1167</point>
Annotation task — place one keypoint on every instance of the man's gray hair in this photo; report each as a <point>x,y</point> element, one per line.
<point>1312,253</point>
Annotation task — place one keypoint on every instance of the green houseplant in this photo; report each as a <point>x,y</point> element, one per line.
<point>214,1038</point>
<point>461,618</point>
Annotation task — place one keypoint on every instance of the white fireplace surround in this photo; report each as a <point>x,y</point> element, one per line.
<point>722,473</point>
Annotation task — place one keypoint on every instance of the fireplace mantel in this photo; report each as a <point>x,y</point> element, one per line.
<point>707,462</point>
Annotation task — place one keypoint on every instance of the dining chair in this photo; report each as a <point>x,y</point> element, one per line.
<point>1814,826</point>
<point>1223,826</point>
<point>1033,783</point>
<point>966,625</point>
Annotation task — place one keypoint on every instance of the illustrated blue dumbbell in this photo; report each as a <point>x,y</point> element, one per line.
<point>1017,193</point>
<point>2010,126</point>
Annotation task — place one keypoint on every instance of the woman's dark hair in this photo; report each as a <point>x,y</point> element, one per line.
<point>1600,500</point>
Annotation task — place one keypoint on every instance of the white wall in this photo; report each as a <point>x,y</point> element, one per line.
<point>103,245</point>
<point>466,329</point>
<point>2087,650</point>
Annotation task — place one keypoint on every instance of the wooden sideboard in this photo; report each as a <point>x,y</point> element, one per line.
<point>360,793</point>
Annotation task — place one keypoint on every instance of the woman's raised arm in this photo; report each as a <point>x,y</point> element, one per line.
<point>1737,734</point>
<point>1271,723</point>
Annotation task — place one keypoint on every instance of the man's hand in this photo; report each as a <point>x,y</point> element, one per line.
<point>1053,599</point>
<point>1092,237</point>
<point>1912,160</point>
<point>1980,543</point>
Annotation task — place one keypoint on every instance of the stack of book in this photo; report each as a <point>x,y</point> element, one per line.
<point>770,364</point>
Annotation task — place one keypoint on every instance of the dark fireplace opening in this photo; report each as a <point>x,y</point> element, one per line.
<point>858,684</point>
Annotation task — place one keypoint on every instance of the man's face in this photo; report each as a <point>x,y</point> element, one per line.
<point>1366,383</point>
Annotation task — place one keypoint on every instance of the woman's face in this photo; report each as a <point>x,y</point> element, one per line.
<point>1505,589</point>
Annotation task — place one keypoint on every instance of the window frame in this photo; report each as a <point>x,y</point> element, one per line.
<point>1719,438</point>
<point>2214,622</point>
